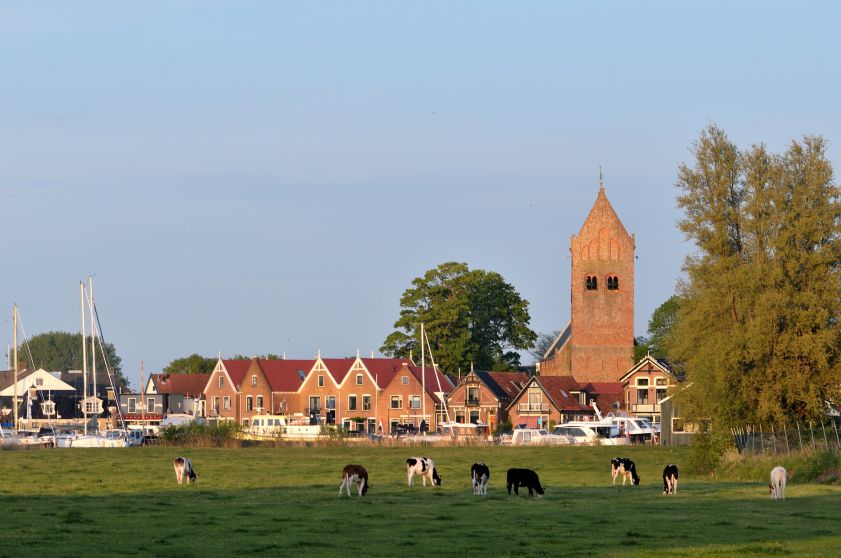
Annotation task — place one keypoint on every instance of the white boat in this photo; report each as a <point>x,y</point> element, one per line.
<point>590,433</point>
<point>267,426</point>
<point>108,439</point>
<point>535,437</point>
<point>637,430</point>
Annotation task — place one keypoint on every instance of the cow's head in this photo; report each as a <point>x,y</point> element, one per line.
<point>365,488</point>
<point>436,478</point>
<point>193,476</point>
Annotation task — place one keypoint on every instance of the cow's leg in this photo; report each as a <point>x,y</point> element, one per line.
<point>409,474</point>
<point>517,488</point>
<point>361,485</point>
<point>530,491</point>
<point>509,488</point>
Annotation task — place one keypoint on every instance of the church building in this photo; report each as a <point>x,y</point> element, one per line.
<point>597,345</point>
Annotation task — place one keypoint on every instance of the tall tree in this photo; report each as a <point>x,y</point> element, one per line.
<point>62,351</point>
<point>193,364</point>
<point>542,344</point>
<point>758,327</point>
<point>661,325</point>
<point>471,317</point>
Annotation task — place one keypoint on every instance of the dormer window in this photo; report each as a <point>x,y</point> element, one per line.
<point>612,283</point>
<point>592,283</point>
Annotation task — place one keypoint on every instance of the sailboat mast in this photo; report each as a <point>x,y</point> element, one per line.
<point>423,376</point>
<point>15,341</point>
<point>84,359</point>
<point>142,402</point>
<point>93,340</point>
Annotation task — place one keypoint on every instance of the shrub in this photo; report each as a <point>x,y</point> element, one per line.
<point>219,434</point>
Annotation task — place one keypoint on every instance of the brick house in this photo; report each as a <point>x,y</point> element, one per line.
<point>285,378</point>
<point>646,385</point>
<point>483,397</point>
<point>222,392</point>
<point>544,401</point>
<point>404,401</point>
<point>598,342</point>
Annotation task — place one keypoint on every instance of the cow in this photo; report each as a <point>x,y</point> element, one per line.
<point>480,474</point>
<point>184,468</point>
<point>670,479</point>
<point>525,478</point>
<point>354,474</point>
<point>424,467</point>
<point>779,476</point>
<point>625,467</point>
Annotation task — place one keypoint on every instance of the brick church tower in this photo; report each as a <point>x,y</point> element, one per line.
<point>598,343</point>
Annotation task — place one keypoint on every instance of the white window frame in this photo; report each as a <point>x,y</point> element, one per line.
<point>132,405</point>
<point>366,402</point>
<point>221,381</point>
<point>254,380</point>
<point>226,402</point>
<point>398,399</point>
<point>414,401</point>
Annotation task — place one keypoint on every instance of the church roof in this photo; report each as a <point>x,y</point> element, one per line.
<point>559,342</point>
<point>601,215</point>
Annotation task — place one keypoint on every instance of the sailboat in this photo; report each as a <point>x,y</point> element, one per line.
<point>93,439</point>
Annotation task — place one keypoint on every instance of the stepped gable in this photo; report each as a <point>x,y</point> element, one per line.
<point>191,385</point>
<point>237,369</point>
<point>283,375</point>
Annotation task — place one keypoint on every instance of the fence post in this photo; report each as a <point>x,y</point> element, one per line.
<point>785,433</point>
<point>812,432</point>
<point>823,427</point>
<point>799,437</point>
<point>761,438</point>
<point>836,433</point>
<point>773,438</point>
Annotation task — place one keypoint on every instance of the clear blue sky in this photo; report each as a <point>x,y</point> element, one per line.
<point>253,177</point>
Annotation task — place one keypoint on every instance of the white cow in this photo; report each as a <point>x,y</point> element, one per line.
<point>779,476</point>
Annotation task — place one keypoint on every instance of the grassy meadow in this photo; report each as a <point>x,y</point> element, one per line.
<point>284,501</point>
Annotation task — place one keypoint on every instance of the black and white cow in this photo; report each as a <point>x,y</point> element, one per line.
<point>354,474</point>
<point>424,467</point>
<point>670,479</point>
<point>525,478</point>
<point>184,468</point>
<point>779,477</point>
<point>625,467</point>
<point>479,475</point>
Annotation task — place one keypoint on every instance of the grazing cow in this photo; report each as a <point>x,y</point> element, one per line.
<point>670,479</point>
<point>184,468</point>
<point>354,474</point>
<point>525,478</point>
<point>480,474</point>
<point>625,467</point>
<point>424,467</point>
<point>779,476</point>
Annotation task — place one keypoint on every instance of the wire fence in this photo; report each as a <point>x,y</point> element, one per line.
<point>812,436</point>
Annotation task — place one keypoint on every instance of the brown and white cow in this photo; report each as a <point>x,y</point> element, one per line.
<point>424,467</point>
<point>354,474</point>
<point>184,468</point>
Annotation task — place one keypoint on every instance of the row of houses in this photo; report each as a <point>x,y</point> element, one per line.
<point>371,395</point>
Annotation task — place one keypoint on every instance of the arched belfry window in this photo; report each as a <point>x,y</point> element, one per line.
<point>592,283</point>
<point>612,283</point>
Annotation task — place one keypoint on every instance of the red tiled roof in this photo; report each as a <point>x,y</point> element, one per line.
<point>555,387</point>
<point>433,377</point>
<point>283,375</point>
<point>237,369</point>
<point>511,383</point>
<point>338,367</point>
<point>384,369</point>
<point>182,384</point>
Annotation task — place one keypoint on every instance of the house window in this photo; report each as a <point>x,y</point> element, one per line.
<point>473,394</point>
<point>320,380</point>
<point>366,402</point>
<point>259,402</point>
<point>221,381</point>
<point>396,402</point>
<point>249,403</point>
<point>215,404</point>
<point>642,381</point>
<point>132,405</point>
<point>660,394</point>
<point>351,402</point>
<point>150,404</point>
<point>661,382</point>
<point>226,402</point>
<point>642,396</point>
<point>612,283</point>
<point>39,381</point>
<point>405,380</point>
<point>415,402</point>
<point>330,402</point>
<point>359,379</point>
<point>315,404</point>
<point>592,283</point>
<point>474,417</point>
<point>92,406</point>
<point>460,417</point>
<point>48,408</point>
<point>254,381</point>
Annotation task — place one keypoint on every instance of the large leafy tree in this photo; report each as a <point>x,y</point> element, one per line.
<point>758,328</point>
<point>62,351</point>
<point>193,364</point>
<point>471,317</point>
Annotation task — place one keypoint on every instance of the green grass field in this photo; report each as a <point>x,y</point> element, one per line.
<point>285,502</point>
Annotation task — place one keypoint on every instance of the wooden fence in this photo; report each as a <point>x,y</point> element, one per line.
<point>799,437</point>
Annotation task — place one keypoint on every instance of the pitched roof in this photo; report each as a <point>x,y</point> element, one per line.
<point>605,394</point>
<point>338,367</point>
<point>601,214</point>
<point>559,342</point>
<point>237,369</point>
<point>283,375</point>
<point>505,385</point>
<point>650,361</point>
<point>434,377</point>
<point>384,369</point>
<point>182,384</point>
<point>556,389</point>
